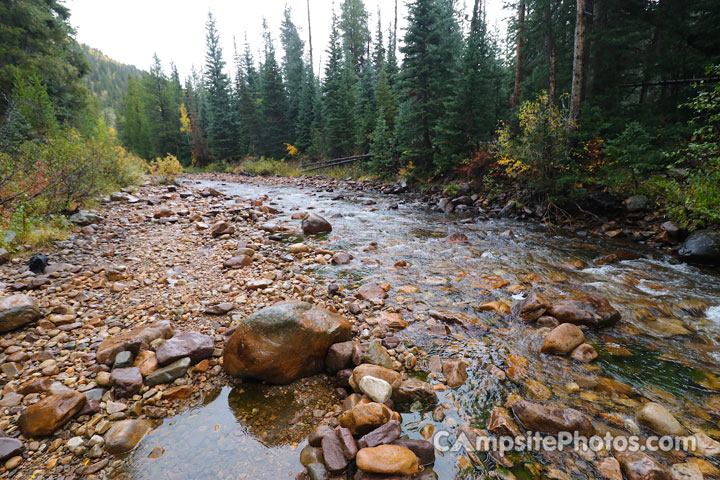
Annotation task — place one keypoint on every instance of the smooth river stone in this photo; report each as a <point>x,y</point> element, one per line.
<point>124,435</point>
<point>50,413</point>
<point>388,460</point>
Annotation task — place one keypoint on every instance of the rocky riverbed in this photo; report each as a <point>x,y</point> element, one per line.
<point>142,345</point>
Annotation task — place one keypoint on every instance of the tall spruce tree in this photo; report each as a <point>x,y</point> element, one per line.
<point>339,99</point>
<point>478,96</point>
<point>293,70</point>
<point>429,68</point>
<point>274,103</point>
<point>221,131</point>
<point>307,111</point>
<point>355,31</point>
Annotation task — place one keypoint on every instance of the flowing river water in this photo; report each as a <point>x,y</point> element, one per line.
<point>666,347</point>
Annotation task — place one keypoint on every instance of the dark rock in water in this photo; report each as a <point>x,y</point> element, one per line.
<point>422,449</point>
<point>702,246</point>
<point>38,263</point>
<point>551,419</point>
<point>314,223</point>
<point>382,435</point>
<point>640,466</point>
<point>590,310</point>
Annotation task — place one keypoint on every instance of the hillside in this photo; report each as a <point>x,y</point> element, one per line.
<point>108,79</point>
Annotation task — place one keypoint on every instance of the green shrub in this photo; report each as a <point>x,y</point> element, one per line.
<point>42,177</point>
<point>267,166</point>
<point>631,156</point>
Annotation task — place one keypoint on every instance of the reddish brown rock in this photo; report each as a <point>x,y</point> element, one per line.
<point>367,369</point>
<point>340,356</point>
<point>237,261</point>
<point>137,339</point>
<point>146,362</point>
<point>591,310</point>
<point>533,307</point>
<point>455,371</point>
<point>382,435</point>
<point>372,292</point>
<point>365,417</point>
<point>284,342</point>
<point>195,345</point>
<point>502,424</point>
<point>413,390</point>
<point>50,413</point>
<point>551,419</point>
<point>423,450</point>
<point>640,466</point>
<point>584,353</point>
<point>222,228</point>
<point>333,453</point>
<point>126,381</point>
<point>562,339</point>
<point>313,223</point>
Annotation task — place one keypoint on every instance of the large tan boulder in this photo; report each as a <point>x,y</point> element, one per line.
<point>284,342</point>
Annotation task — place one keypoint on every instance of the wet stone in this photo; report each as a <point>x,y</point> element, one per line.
<point>377,355</point>
<point>194,345</point>
<point>347,441</point>
<point>382,435</point>
<point>169,373</point>
<point>124,435</point>
<point>50,413</point>
<point>123,359</point>
<point>317,471</point>
<point>10,447</point>
<point>126,381</point>
<point>333,453</point>
<point>423,449</point>
<point>413,390</point>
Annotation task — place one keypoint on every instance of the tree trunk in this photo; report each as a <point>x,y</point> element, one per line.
<point>595,27</point>
<point>576,95</point>
<point>310,36</point>
<point>519,51</point>
<point>551,86</point>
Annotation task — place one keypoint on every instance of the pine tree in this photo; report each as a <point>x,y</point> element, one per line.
<point>247,95</point>
<point>307,110</point>
<point>274,104</point>
<point>367,105</point>
<point>429,69</point>
<point>133,124</point>
<point>382,146</point>
<point>293,70</point>
<point>477,102</point>
<point>338,99</point>
<point>199,150</point>
<point>222,134</point>
<point>355,32</point>
<point>385,99</point>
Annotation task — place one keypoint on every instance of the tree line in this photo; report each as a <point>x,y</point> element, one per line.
<point>442,102</point>
<point>604,63</point>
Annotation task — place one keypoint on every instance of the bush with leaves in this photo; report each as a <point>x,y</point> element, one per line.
<point>165,170</point>
<point>537,152</point>
<point>695,199</point>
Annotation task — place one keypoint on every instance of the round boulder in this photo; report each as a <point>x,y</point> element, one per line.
<point>17,311</point>
<point>284,342</point>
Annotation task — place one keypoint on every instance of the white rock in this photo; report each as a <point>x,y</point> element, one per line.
<point>376,389</point>
<point>74,442</point>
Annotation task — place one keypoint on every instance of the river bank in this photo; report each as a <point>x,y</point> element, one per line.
<point>451,284</point>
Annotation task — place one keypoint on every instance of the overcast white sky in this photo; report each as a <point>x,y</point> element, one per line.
<point>130,31</point>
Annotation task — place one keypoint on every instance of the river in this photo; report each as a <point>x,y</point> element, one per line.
<point>666,346</point>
